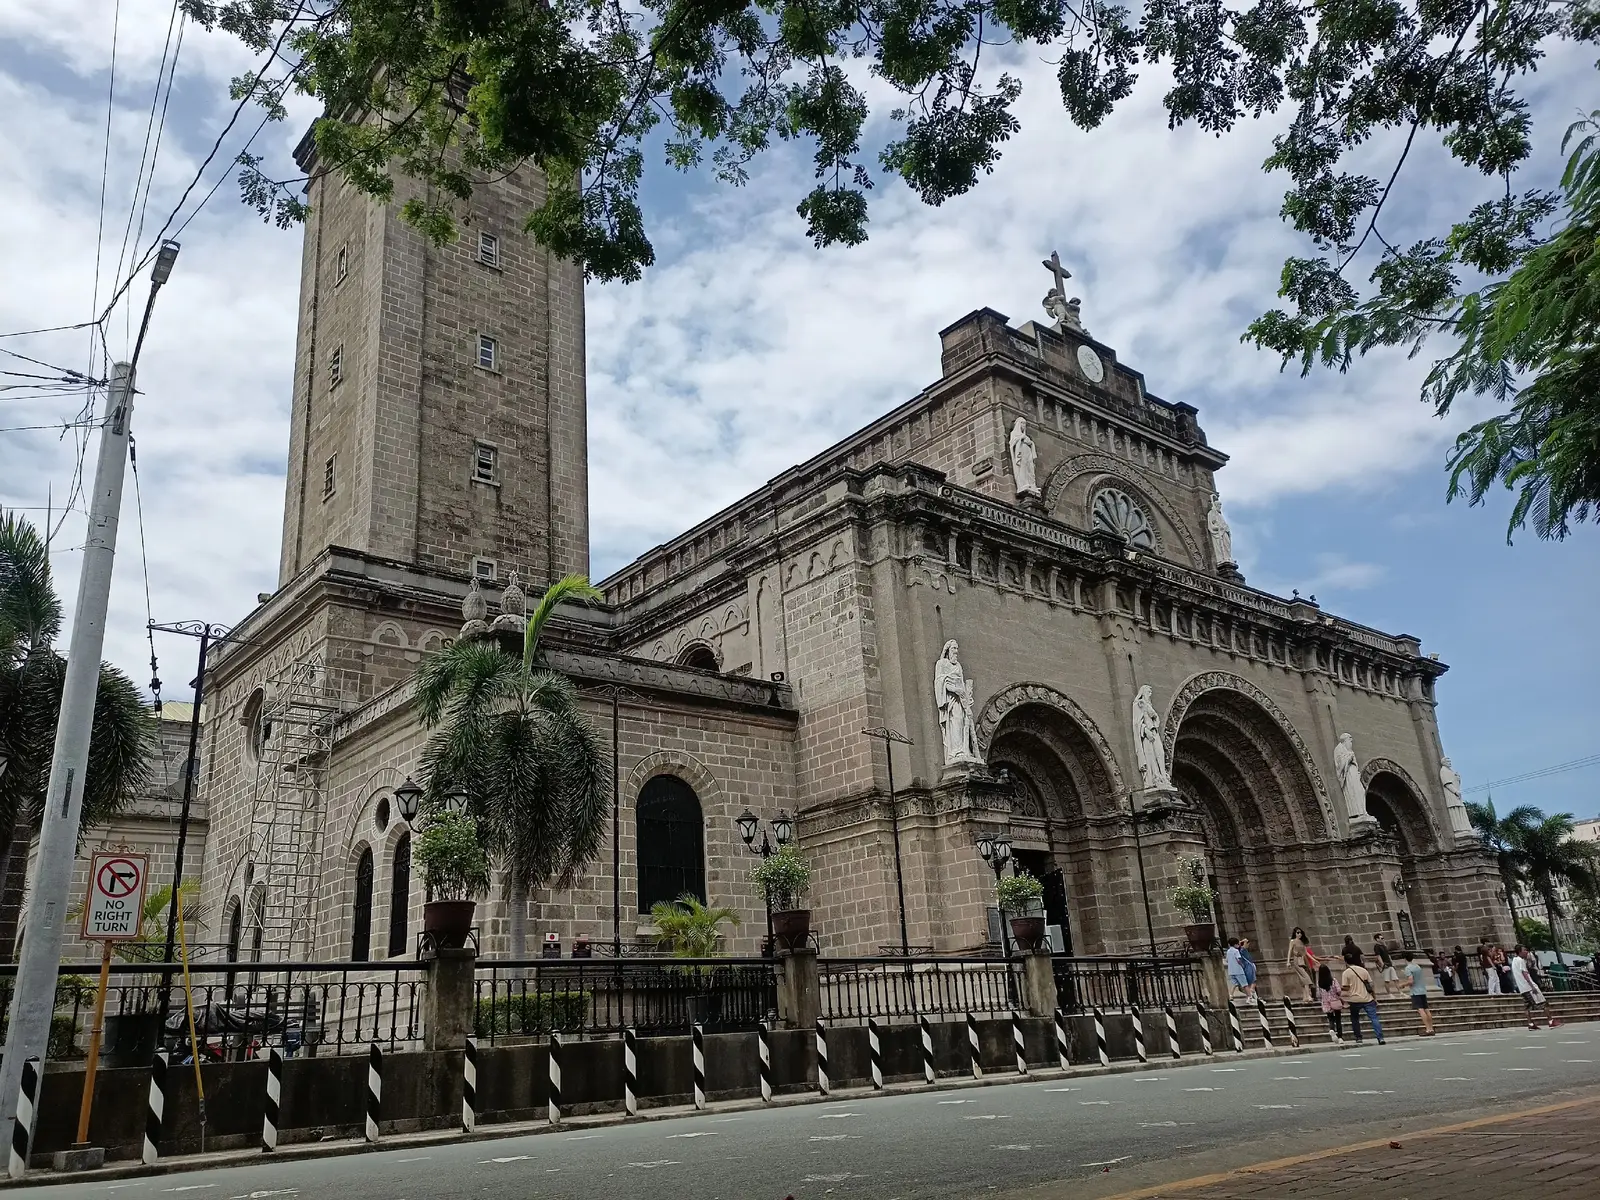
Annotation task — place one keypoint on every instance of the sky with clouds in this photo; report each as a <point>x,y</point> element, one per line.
<point>745,350</point>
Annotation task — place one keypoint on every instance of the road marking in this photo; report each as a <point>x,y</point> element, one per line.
<point>1274,1106</point>
<point>840,1177</point>
<point>1280,1078</point>
<point>1046,1089</point>
<point>1386,1092</point>
<point>262,1195</point>
<point>1533,1047</point>
<point>191,1187</point>
<point>423,1158</point>
<point>1427,1060</point>
<point>718,1121</point>
<point>1162,1190</point>
<point>1480,1053</point>
<point>837,1116</point>
<point>835,1137</point>
<point>974,1101</point>
<point>513,1158</point>
<point>700,1133</point>
<point>1163,1124</point>
<point>584,1137</point>
<point>1519,1068</point>
<point>1579,1060</point>
<point>1110,1162</point>
<point>1226,1070</point>
<point>1151,1079</point>
<point>1361,1068</point>
<point>1094,1102</point>
<point>658,1162</point>
<point>1451,1079</point>
<point>1007,1116</point>
<point>1015,1146</point>
<point>1582,1043</point>
<point>1205,1089</point>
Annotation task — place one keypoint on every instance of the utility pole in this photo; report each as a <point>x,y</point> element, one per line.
<point>889,737</point>
<point>34,1001</point>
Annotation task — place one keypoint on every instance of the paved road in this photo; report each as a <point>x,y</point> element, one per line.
<point>1097,1134</point>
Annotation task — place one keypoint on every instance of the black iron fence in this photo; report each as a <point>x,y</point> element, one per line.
<point>301,1008</point>
<point>539,996</point>
<point>854,989</point>
<point>1121,983</point>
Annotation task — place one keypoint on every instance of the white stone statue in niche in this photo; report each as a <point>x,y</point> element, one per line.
<point>953,694</point>
<point>1151,753</point>
<point>1221,535</point>
<point>1460,822</point>
<point>1348,771</point>
<point>1023,459</point>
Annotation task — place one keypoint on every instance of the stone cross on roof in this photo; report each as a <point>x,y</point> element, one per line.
<point>1063,311</point>
<point>1053,265</point>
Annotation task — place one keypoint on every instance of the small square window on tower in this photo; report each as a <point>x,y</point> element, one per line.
<point>336,366</point>
<point>489,250</point>
<point>488,353</point>
<point>485,463</point>
<point>485,570</point>
<point>329,475</point>
<point>341,265</point>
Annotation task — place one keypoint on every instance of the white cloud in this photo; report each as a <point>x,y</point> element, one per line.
<point>1336,573</point>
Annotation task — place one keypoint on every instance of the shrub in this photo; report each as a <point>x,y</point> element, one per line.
<point>688,928</point>
<point>783,878</point>
<point>1193,895</point>
<point>539,1012</point>
<point>452,860</point>
<point>1019,894</point>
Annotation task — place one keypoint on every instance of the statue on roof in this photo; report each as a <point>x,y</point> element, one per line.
<point>1062,310</point>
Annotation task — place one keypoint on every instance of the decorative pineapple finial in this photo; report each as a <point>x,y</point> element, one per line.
<point>513,606</point>
<point>474,608</point>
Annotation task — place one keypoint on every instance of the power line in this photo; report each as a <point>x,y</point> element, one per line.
<point>39,362</point>
<point>1558,769</point>
<point>50,329</point>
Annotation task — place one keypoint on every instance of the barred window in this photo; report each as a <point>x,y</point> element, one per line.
<point>361,925</point>
<point>400,896</point>
<point>671,842</point>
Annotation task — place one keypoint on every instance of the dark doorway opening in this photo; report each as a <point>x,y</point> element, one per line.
<point>1042,867</point>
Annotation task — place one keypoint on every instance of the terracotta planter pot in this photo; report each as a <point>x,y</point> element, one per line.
<point>1027,932</point>
<point>791,929</point>
<point>1200,936</point>
<point>448,922</point>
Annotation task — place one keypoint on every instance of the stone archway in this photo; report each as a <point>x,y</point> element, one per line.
<point>1396,802</point>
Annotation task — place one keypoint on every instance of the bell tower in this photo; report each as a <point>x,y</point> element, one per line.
<point>439,409</point>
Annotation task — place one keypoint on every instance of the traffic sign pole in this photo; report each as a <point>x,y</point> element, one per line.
<point>94,1045</point>
<point>113,911</point>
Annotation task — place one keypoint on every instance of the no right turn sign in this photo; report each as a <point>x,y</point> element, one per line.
<point>116,896</point>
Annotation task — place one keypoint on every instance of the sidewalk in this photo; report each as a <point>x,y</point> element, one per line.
<point>1549,1152</point>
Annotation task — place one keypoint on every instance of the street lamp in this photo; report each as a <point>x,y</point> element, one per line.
<point>889,737</point>
<point>782,829</point>
<point>409,797</point>
<point>1154,814</point>
<point>457,800</point>
<point>996,851</point>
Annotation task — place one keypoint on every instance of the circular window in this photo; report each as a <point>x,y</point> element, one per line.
<point>1117,512</point>
<point>258,727</point>
<point>380,816</point>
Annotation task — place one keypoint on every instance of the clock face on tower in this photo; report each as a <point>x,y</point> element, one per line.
<point>1089,364</point>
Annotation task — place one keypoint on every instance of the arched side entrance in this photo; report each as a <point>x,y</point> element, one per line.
<point>1396,802</point>
<point>1064,778</point>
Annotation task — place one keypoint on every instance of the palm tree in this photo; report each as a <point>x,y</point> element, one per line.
<point>122,739</point>
<point>1552,858</point>
<point>1504,837</point>
<point>688,927</point>
<point>509,733</point>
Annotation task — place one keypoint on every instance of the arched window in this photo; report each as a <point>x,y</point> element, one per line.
<point>258,922</point>
<point>400,896</point>
<point>699,656</point>
<point>671,842</point>
<point>361,926</point>
<point>235,935</point>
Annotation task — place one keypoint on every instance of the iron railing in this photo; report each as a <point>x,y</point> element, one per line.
<point>537,997</point>
<point>1121,983</point>
<point>239,1007</point>
<point>854,989</point>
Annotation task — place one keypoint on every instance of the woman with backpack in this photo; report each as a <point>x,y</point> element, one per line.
<point>1332,999</point>
<point>1356,985</point>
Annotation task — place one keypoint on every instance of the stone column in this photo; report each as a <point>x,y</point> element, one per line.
<point>799,988</point>
<point>449,999</point>
<point>1038,983</point>
<point>1214,970</point>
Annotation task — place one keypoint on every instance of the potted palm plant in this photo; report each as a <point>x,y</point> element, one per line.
<point>1194,897</point>
<point>784,877</point>
<point>455,870</point>
<point>1021,897</point>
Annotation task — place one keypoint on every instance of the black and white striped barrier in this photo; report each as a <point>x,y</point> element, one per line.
<point>1062,1045</point>
<point>1138,1033</point>
<point>374,1090</point>
<point>764,1052</point>
<point>1018,1043</point>
<point>269,1116</point>
<point>1172,1033</point>
<point>1100,1038</point>
<point>1234,1030</point>
<point>469,1087</point>
<point>927,1049</point>
<point>553,1109</point>
<point>1294,1029</point>
<point>630,1069</point>
<point>875,1053</point>
<point>699,1039</point>
<point>22,1127</point>
<point>1204,1014</point>
<point>822,1057</point>
<point>974,1058</point>
<point>1266,1023</point>
<point>157,1108</point>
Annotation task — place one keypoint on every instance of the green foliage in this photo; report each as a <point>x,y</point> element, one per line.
<point>450,857</point>
<point>1019,894</point>
<point>422,98</point>
<point>510,733</point>
<point>122,743</point>
<point>1537,851</point>
<point>688,928</point>
<point>1193,895</point>
<point>1534,934</point>
<point>783,877</point>
<point>540,1012</point>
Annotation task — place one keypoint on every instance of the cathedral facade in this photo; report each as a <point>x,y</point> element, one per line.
<point>1018,584</point>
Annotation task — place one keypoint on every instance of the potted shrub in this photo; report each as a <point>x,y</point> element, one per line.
<point>784,877</point>
<point>1021,897</point>
<point>1194,898</point>
<point>455,870</point>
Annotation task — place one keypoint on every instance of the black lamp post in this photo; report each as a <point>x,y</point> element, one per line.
<point>408,798</point>
<point>782,829</point>
<point>996,851</point>
<point>889,737</point>
<point>1154,814</point>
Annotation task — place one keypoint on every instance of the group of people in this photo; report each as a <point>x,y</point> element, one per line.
<point>1348,984</point>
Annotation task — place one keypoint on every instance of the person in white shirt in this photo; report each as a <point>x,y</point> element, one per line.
<point>1522,979</point>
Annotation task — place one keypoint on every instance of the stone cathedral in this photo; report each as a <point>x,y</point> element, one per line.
<point>1024,570</point>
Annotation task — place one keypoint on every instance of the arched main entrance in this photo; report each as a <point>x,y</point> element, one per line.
<point>1062,777</point>
<point>1394,801</point>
